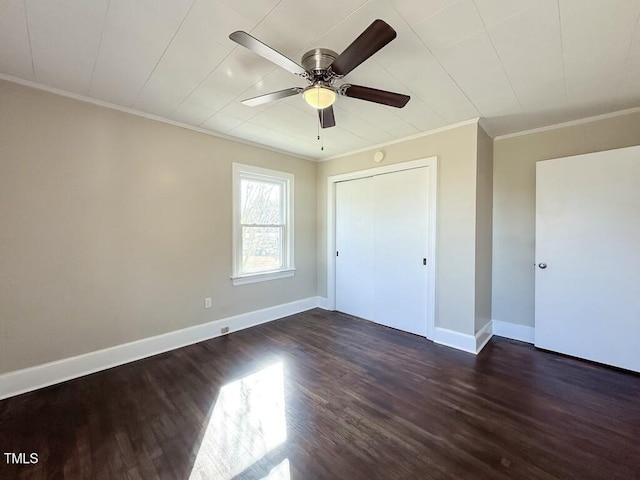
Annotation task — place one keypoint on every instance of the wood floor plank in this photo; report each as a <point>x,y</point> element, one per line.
<point>323,395</point>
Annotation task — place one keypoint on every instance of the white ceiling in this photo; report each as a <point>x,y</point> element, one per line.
<point>520,64</point>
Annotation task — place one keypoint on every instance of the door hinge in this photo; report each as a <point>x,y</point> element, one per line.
<point>424,261</point>
<point>337,253</point>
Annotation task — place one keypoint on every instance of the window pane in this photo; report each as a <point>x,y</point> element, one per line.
<point>261,248</point>
<point>261,202</point>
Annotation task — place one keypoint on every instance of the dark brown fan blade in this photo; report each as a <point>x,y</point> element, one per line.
<point>375,36</point>
<point>270,97</point>
<point>265,51</point>
<point>374,95</point>
<point>327,118</point>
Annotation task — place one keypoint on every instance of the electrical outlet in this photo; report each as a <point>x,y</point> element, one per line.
<point>207,302</point>
<point>224,330</point>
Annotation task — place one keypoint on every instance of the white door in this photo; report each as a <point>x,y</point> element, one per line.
<point>400,250</point>
<point>587,300</point>
<point>354,248</point>
<point>381,246</point>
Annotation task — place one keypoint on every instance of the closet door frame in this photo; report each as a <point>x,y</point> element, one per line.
<point>432,164</point>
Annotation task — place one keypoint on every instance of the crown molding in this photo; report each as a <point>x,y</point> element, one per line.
<point>570,123</point>
<point>471,121</point>
<point>482,123</point>
<point>148,116</point>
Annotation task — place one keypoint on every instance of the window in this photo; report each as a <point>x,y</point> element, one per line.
<point>262,224</point>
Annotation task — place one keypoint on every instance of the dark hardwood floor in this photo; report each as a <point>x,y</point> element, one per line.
<point>326,395</point>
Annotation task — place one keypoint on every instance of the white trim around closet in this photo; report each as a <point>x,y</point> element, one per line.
<point>432,164</point>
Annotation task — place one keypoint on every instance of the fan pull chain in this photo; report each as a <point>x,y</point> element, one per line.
<point>320,136</point>
<point>319,124</point>
<point>320,114</point>
<point>321,139</point>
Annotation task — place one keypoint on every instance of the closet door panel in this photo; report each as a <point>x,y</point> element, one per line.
<point>400,246</point>
<point>354,247</point>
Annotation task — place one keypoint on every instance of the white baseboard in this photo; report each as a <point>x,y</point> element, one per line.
<point>322,302</point>
<point>451,338</point>
<point>33,378</point>
<point>483,336</point>
<point>461,341</point>
<point>513,331</point>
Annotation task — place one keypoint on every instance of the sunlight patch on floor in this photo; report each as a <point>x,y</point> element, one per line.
<point>247,422</point>
<point>279,472</point>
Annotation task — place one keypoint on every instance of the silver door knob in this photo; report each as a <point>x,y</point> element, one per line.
<point>542,265</point>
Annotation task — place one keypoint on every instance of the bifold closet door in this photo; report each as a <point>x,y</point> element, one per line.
<point>400,250</point>
<point>354,247</point>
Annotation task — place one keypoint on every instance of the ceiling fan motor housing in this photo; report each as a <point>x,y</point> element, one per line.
<point>318,60</point>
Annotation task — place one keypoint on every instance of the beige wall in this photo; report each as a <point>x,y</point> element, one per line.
<point>484,233</point>
<point>514,203</point>
<point>455,243</point>
<point>114,228</point>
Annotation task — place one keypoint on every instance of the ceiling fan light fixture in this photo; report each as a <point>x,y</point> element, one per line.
<point>319,96</point>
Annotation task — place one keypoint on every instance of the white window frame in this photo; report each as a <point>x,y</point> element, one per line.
<point>241,171</point>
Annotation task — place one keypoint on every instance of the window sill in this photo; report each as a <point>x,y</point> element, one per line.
<point>262,276</point>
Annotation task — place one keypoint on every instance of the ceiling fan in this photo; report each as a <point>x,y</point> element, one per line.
<point>322,68</point>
